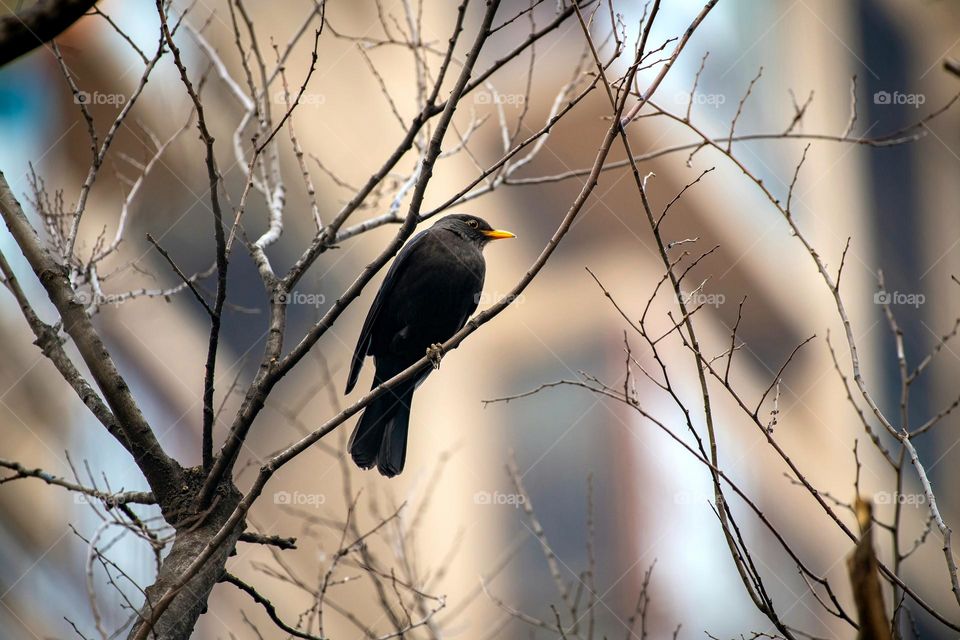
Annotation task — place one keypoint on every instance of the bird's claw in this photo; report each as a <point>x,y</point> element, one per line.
<point>434,354</point>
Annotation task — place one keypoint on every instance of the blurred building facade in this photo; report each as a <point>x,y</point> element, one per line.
<point>898,205</point>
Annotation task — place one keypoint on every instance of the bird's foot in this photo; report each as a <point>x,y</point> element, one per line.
<point>435,353</point>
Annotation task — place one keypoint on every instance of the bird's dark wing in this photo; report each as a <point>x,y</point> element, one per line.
<point>393,274</point>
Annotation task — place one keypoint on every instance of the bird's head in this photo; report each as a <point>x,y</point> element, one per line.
<point>472,228</point>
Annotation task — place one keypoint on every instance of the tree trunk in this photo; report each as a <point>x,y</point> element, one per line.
<point>179,619</point>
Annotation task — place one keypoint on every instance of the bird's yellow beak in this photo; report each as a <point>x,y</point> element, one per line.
<point>498,234</point>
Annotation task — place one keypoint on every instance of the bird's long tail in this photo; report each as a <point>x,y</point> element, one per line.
<point>380,437</point>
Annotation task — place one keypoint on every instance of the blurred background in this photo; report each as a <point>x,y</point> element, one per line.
<point>651,498</point>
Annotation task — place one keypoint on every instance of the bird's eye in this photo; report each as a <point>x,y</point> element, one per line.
<point>473,223</point>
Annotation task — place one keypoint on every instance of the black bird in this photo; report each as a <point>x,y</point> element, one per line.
<point>430,291</point>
